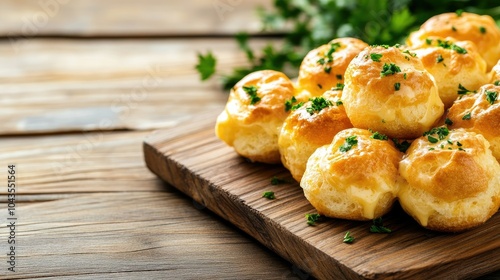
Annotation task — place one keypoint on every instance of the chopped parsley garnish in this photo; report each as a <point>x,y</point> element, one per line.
<point>338,76</point>
<point>401,146</point>
<point>252,93</point>
<point>320,86</point>
<point>404,76</point>
<point>378,227</point>
<point>339,86</point>
<point>453,28</point>
<point>276,181</point>
<point>432,139</point>
<point>318,104</point>
<point>348,238</point>
<point>269,195</point>
<point>327,69</point>
<point>312,218</point>
<point>491,96</point>
<point>447,121</point>
<point>428,41</point>
<point>467,116</point>
<point>450,46</point>
<point>397,86</point>
<point>482,29</point>
<point>339,103</point>
<point>349,143</point>
<point>459,144</point>
<point>206,65</point>
<point>497,83</point>
<point>441,132</point>
<point>389,69</point>
<point>378,136</point>
<point>410,53</point>
<point>376,57</point>
<point>462,90</point>
<point>328,58</point>
<point>459,12</point>
<point>439,58</point>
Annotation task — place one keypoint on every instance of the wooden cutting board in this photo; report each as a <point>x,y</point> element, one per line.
<point>192,159</point>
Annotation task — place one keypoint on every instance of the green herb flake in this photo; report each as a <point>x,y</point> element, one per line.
<point>376,57</point>
<point>269,195</point>
<point>453,28</point>
<point>450,46</point>
<point>491,96</point>
<point>349,143</point>
<point>389,69</point>
<point>327,69</point>
<point>378,227</point>
<point>252,93</point>
<point>379,136</point>
<point>432,139</point>
<point>482,29</point>
<point>404,76</point>
<point>462,90</point>
<point>439,58</point>
<point>412,54</point>
<point>497,83</point>
<point>467,116</point>
<point>397,86</point>
<point>348,238</point>
<point>338,76</point>
<point>339,86</point>
<point>277,181</point>
<point>339,103</point>
<point>459,144</point>
<point>206,65</point>
<point>458,49</point>
<point>447,121</point>
<point>428,41</point>
<point>459,12</point>
<point>312,218</point>
<point>318,104</point>
<point>402,146</point>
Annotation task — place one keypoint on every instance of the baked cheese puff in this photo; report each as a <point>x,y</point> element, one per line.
<point>324,67</point>
<point>387,89</point>
<point>309,127</point>
<point>480,29</point>
<point>495,74</point>
<point>355,177</point>
<point>254,113</point>
<point>479,112</point>
<point>454,65</point>
<point>451,181</point>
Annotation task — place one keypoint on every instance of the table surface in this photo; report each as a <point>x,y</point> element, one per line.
<point>82,83</point>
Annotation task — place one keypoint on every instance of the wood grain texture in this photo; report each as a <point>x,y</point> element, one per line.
<point>204,168</point>
<point>127,235</point>
<point>30,18</point>
<point>49,86</point>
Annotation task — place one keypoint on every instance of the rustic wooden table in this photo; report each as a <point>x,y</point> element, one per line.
<point>82,83</point>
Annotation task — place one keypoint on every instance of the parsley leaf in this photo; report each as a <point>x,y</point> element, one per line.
<point>397,86</point>
<point>401,146</point>
<point>467,116</point>
<point>349,143</point>
<point>318,104</point>
<point>312,218</point>
<point>376,57</point>
<point>439,58</point>
<point>441,132</point>
<point>206,65</point>
<point>290,104</point>
<point>497,83</point>
<point>389,69</point>
<point>378,136</point>
<point>252,93</point>
<point>491,96</point>
<point>378,226</point>
<point>276,181</point>
<point>269,195</point>
<point>462,90</point>
<point>348,238</point>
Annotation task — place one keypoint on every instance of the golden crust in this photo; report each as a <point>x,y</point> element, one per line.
<point>372,101</point>
<point>480,29</point>
<point>302,132</point>
<point>451,68</point>
<point>253,129</point>
<point>358,184</point>
<point>450,185</point>
<point>313,78</point>
<point>495,74</point>
<point>484,116</point>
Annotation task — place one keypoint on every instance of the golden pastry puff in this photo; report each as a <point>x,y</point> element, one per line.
<point>455,65</point>
<point>309,127</point>
<point>451,181</point>
<point>480,29</point>
<point>387,89</point>
<point>479,112</point>
<point>254,113</point>
<point>495,74</point>
<point>355,177</point>
<point>324,67</point>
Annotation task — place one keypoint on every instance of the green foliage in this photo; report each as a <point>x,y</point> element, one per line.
<point>316,22</point>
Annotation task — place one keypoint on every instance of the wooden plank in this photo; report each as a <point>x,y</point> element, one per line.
<point>204,168</point>
<point>30,18</point>
<point>134,236</point>
<point>74,85</point>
